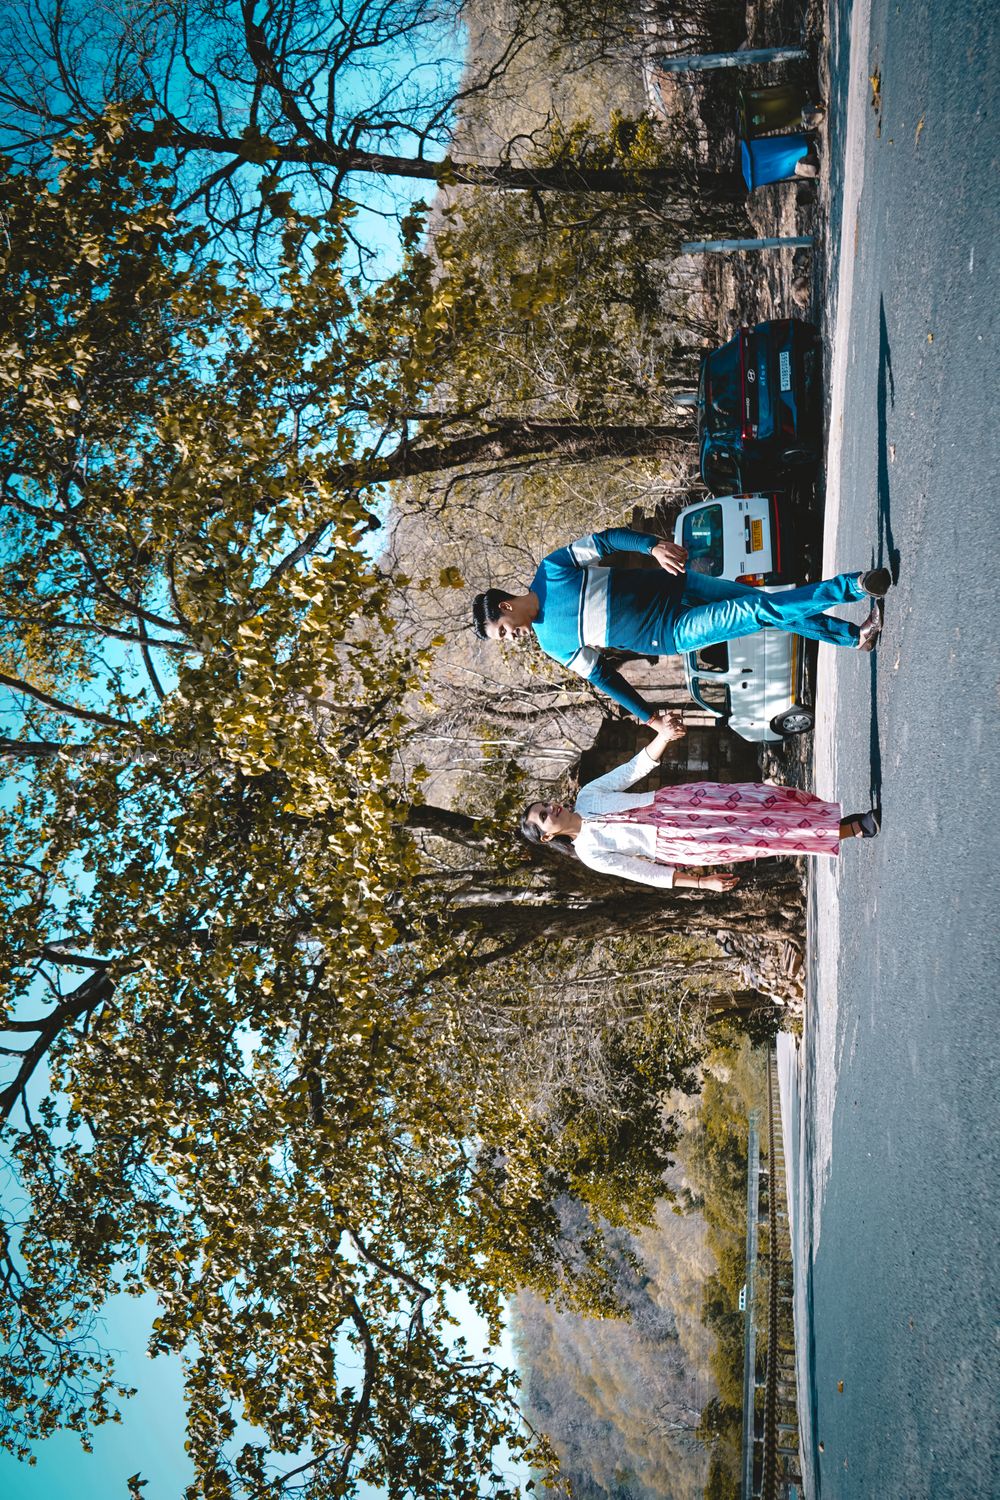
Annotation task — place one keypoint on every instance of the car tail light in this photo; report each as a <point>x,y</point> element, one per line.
<point>754,578</point>
<point>775,535</point>
<point>747,425</point>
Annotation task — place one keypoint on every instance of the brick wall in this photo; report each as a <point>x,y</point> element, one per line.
<point>709,753</point>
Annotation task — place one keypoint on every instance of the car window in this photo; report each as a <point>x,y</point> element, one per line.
<point>722,387</point>
<point>715,695</point>
<point>713,658</point>
<point>720,471</point>
<point>702,536</point>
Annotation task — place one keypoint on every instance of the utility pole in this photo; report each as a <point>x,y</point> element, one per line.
<point>704,62</point>
<point>774,242</point>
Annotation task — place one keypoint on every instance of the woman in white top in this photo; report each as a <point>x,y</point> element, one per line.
<point>645,836</point>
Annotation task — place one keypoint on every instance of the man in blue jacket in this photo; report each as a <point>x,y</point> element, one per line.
<point>577,610</point>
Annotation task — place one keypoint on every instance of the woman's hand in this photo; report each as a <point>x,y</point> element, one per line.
<point>668,723</point>
<point>693,882</point>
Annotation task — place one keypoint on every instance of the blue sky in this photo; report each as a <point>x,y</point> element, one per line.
<point>150,1439</point>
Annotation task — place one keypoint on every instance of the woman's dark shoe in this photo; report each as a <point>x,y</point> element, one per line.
<point>877,582</point>
<point>864,825</point>
<point>871,629</point>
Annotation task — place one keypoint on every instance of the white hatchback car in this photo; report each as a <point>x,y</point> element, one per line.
<point>754,684</point>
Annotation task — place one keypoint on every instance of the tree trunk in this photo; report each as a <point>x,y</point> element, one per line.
<point>562,899</point>
<point>690,182</point>
<point>456,827</point>
<point>573,442</point>
<point>629,911</point>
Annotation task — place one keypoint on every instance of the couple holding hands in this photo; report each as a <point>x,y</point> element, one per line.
<point>576,609</point>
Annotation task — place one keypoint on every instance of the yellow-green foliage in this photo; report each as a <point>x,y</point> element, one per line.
<point>255,1110</point>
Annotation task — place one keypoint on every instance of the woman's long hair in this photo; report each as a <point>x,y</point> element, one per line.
<point>530,832</point>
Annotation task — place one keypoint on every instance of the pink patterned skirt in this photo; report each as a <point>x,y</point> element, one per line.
<point>710,822</point>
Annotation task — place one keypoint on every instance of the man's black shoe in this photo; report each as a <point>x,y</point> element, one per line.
<point>877,583</point>
<point>871,629</point>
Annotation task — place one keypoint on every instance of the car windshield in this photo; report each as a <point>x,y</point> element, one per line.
<point>722,388</point>
<point>702,536</point>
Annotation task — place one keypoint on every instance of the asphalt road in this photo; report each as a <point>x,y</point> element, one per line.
<point>901,1049</point>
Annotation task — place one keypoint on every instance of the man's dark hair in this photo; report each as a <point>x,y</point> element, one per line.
<point>486,607</point>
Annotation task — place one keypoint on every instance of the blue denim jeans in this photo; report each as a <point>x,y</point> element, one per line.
<point>717,609</point>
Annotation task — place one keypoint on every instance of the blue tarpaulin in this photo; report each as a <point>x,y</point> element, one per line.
<point>772,158</point>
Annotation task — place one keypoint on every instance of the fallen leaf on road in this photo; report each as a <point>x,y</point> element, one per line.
<point>840,1386</point>
<point>920,126</point>
<point>876,82</point>
<point>930,338</point>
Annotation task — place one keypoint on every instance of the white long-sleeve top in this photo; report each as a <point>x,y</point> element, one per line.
<point>625,849</point>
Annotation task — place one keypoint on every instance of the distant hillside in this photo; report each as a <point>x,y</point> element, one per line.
<point>537,86</point>
<point>621,1400</point>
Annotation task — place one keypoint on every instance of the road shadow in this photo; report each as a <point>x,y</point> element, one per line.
<point>874,743</point>
<point>886,554</point>
<point>812,1395</point>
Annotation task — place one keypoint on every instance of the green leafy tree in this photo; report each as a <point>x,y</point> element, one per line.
<point>235,1075</point>
<point>576,324</point>
<point>202,875</point>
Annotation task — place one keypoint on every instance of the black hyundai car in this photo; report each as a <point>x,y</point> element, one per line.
<point>759,419</point>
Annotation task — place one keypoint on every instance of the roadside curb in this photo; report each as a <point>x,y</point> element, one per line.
<point>817,1059</point>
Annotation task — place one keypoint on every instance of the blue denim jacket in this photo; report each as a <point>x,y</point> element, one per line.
<point>583,609</point>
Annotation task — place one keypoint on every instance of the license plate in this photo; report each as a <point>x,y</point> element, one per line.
<point>785,369</point>
<point>756,536</point>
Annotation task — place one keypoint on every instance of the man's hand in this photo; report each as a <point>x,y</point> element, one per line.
<point>670,556</point>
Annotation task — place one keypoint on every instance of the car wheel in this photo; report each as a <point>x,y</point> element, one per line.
<point>795,720</point>
<point>798,458</point>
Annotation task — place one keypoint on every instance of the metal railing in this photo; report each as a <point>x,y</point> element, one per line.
<point>750,1324</point>
<point>781,1446</point>
<point>770,1433</point>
